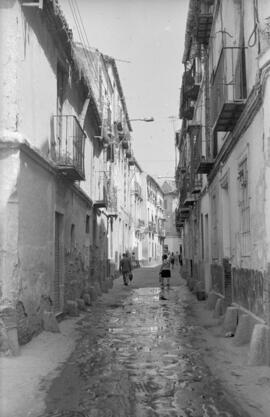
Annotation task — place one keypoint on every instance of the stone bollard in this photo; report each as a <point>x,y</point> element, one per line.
<point>244,330</point>
<point>87,299</point>
<point>212,300</point>
<point>230,320</point>
<point>219,308</point>
<point>49,322</point>
<point>72,308</point>
<point>9,318</point>
<point>93,293</point>
<point>4,343</point>
<point>81,304</point>
<point>259,346</point>
<point>200,291</point>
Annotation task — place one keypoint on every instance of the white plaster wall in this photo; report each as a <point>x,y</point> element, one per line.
<point>266,180</point>
<point>36,194</point>
<point>9,217</point>
<point>9,59</point>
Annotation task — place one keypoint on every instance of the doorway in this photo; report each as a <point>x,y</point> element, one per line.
<point>58,263</point>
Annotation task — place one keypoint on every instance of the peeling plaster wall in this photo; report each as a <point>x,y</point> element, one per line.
<point>35,243</point>
<point>9,257</point>
<point>31,196</point>
<point>41,194</point>
<point>10,29</point>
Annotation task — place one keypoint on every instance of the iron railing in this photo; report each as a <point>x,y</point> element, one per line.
<point>101,189</point>
<point>152,227</point>
<point>112,200</point>
<point>137,189</point>
<point>228,80</point>
<point>68,146</point>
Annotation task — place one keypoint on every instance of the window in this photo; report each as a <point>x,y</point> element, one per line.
<point>165,204</point>
<point>244,209</point>
<point>87,224</point>
<point>72,237</point>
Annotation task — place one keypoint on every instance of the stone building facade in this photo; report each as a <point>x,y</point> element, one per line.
<point>155,231</point>
<point>223,170</point>
<point>173,240</point>
<point>65,167</point>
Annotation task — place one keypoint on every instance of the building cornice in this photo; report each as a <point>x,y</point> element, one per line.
<point>20,144</point>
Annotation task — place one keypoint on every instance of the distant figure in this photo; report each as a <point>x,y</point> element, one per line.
<point>172,259</point>
<point>180,259</point>
<point>125,268</point>
<point>165,271</point>
<point>176,258</point>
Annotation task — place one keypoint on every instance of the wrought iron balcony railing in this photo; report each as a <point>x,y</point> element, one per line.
<point>112,201</point>
<point>101,189</point>
<point>161,232</point>
<point>203,26</point>
<point>228,90</point>
<point>68,145</point>
<point>152,227</point>
<point>191,83</point>
<point>137,190</point>
<point>203,163</point>
<point>186,106</point>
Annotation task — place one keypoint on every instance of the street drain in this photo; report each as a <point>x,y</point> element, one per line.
<point>115,306</point>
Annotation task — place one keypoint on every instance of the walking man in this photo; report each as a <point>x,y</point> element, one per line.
<point>165,271</point>
<point>172,260</point>
<point>125,268</point>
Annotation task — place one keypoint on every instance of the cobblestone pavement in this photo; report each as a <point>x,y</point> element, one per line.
<point>139,356</point>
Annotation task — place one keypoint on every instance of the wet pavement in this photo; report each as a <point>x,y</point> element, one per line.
<point>139,356</point>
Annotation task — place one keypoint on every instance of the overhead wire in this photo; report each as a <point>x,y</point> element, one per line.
<point>83,39</point>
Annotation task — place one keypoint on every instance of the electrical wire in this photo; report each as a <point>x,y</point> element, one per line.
<point>84,41</point>
<point>256,22</point>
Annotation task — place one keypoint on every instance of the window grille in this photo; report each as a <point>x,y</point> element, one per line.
<point>245,238</point>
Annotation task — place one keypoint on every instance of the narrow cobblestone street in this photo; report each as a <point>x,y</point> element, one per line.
<point>139,356</point>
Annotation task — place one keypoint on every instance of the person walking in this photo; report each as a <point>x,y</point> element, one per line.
<point>125,268</point>
<point>172,259</point>
<point>165,271</point>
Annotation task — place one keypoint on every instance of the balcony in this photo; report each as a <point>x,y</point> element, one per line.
<point>184,213</point>
<point>191,84</point>
<point>112,202</point>
<point>202,164</point>
<point>140,224</point>
<point>68,147</point>
<point>204,25</point>
<point>152,227</point>
<point>119,130</point>
<point>186,109</point>
<point>196,185</point>
<point>101,190</point>
<point>137,190</point>
<point>189,200</point>
<point>125,144</point>
<point>228,91</point>
<point>162,232</point>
